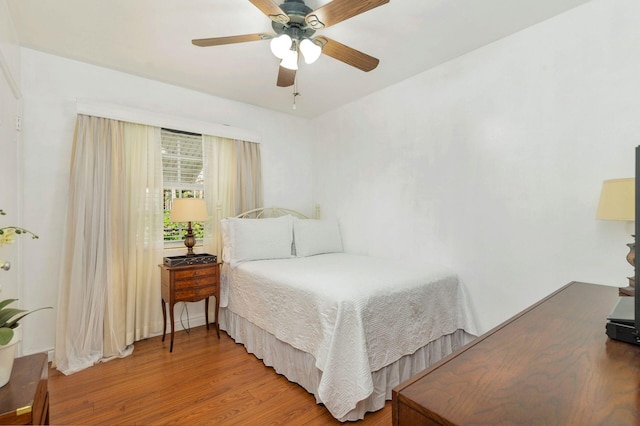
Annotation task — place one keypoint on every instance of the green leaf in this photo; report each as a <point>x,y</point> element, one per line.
<point>7,313</point>
<point>7,302</point>
<point>14,323</point>
<point>6,334</point>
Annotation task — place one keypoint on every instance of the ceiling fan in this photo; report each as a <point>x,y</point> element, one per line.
<point>294,24</point>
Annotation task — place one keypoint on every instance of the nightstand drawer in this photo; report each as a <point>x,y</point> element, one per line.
<point>195,294</point>
<point>206,281</point>
<point>193,273</point>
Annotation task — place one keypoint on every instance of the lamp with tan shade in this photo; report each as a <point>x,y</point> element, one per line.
<point>189,210</point>
<point>617,202</point>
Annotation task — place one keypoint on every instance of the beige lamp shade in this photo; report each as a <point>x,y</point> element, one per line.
<point>617,200</point>
<point>188,210</point>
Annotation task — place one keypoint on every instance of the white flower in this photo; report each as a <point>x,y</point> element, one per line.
<point>8,236</point>
<point>8,233</point>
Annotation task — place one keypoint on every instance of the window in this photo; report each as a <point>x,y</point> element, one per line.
<point>183,177</point>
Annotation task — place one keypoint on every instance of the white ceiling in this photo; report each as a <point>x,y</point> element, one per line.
<point>152,39</point>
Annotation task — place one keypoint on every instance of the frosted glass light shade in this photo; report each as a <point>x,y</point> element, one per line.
<point>290,61</point>
<point>310,51</point>
<point>188,210</point>
<point>617,200</point>
<point>281,45</point>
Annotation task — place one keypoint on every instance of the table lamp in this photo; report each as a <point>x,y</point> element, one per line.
<point>189,210</point>
<point>617,202</point>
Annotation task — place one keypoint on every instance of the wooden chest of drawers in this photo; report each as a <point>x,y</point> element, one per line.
<point>25,399</point>
<point>189,284</point>
<point>551,364</point>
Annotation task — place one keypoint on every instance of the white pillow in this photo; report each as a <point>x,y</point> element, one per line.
<point>313,236</point>
<point>256,239</point>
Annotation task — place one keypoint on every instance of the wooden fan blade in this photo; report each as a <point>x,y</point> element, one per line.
<point>272,10</point>
<point>286,77</point>
<point>340,10</point>
<point>348,55</point>
<point>217,41</point>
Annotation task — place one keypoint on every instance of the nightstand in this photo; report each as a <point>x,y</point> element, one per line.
<point>25,399</point>
<point>189,284</point>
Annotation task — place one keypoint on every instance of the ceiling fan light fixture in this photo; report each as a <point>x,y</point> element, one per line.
<point>290,61</point>
<point>310,51</point>
<point>281,45</point>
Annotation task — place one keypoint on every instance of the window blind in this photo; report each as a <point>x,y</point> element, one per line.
<point>182,160</point>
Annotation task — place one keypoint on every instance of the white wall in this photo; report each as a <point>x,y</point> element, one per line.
<point>493,162</point>
<point>10,155</point>
<point>51,86</point>
<point>9,48</point>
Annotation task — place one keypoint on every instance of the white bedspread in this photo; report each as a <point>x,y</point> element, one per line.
<point>354,314</point>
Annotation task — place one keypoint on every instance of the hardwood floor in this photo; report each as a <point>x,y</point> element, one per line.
<point>204,381</point>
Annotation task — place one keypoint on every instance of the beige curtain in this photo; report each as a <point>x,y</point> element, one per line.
<point>143,230</point>
<point>108,292</point>
<point>233,183</point>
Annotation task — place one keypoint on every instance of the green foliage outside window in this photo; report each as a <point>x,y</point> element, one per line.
<point>174,231</point>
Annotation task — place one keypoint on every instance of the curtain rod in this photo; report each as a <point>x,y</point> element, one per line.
<point>150,118</point>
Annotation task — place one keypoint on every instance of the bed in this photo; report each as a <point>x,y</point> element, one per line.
<point>347,328</point>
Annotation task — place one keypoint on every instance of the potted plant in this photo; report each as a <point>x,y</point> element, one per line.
<point>9,319</point>
<point>9,316</point>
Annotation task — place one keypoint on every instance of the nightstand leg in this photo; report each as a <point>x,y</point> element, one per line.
<point>206,312</point>
<point>171,316</point>
<point>164,319</point>
<point>218,316</point>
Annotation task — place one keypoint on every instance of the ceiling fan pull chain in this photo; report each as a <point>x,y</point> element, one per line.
<point>295,93</point>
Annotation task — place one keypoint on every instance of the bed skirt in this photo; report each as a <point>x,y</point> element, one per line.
<point>299,367</point>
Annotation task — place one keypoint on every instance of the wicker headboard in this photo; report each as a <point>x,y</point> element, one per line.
<point>265,212</point>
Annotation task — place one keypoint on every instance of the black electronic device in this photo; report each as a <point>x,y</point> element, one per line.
<point>624,321</point>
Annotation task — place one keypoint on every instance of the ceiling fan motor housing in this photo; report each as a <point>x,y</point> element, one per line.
<point>296,28</point>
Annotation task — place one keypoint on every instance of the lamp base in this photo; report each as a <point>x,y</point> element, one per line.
<point>630,290</point>
<point>189,240</point>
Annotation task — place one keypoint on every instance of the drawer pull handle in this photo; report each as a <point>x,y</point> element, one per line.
<point>23,410</point>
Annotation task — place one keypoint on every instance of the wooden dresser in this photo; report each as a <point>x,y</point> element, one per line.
<point>189,284</point>
<point>25,399</point>
<point>551,364</point>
